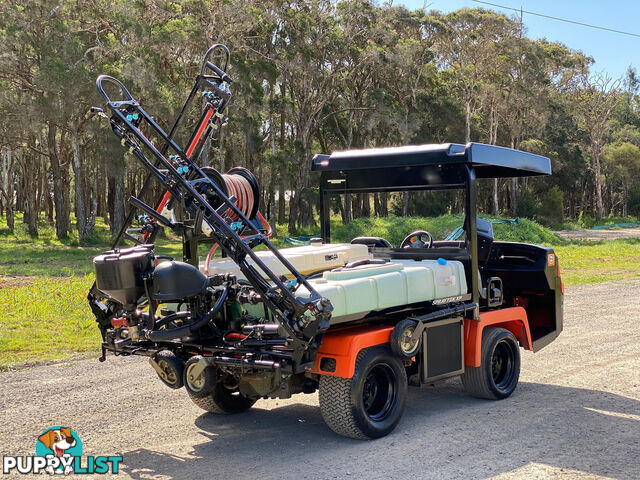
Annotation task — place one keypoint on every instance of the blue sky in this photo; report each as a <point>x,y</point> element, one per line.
<point>612,52</point>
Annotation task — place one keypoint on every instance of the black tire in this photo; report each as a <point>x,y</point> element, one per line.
<point>203,385</point>
<point>400,339</point>
<point>223,401</point>
<point>499,371</point>
<point>359,407</point>
<point>173,368</point>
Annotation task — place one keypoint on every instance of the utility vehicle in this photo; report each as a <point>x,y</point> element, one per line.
<point>357,322</point>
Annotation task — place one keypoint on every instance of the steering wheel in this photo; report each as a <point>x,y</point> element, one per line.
<point>414,240</point>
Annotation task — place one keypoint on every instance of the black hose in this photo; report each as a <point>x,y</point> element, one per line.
<point>179,332</point>
<point>170,318</point>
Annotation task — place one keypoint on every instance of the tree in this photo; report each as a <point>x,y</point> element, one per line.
<point>623,160</point>
<point>464,40</point>
<point>594,100</point>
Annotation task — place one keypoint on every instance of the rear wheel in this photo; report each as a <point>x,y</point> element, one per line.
<point>499,371</point>
<point>223,401</point>
<point>370,404</point>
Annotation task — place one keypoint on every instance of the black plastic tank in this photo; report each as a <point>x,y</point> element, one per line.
<point>177,280</point>
<point>119,273</point>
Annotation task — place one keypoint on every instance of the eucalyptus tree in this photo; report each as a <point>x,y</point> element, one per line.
<point>462,42</point>
<point>594,101</point>
<point>623,161</point>
<point>308,64</point>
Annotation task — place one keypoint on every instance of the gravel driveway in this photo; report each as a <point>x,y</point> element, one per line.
<point>605,234</point>
<point>575,414</point>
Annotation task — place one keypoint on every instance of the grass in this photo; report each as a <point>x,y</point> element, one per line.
<point>596,262</point>
<point>46,318</point>
<point>44,281</point>
<point>394,229</point>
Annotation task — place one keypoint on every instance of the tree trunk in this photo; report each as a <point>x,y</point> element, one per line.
<point>514,186</point>
<point>347,208</point>
<point>281,200</point>
<point>283,168</point>
<point>117,198</point>
<point>293,209</point>
<point>514,196</point>
<point>30,213</point>
<point>384,204</point>
<point>62,222</point>
<point>405,204</point>
<point>597,177</point>
<point>80,208</point>
<point>496,205</point>
<point>366,205</point>
<point>467,120</point>
<point>8,162</point>
<point>91,218</point>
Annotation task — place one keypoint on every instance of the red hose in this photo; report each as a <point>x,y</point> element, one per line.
<point>239,187</point>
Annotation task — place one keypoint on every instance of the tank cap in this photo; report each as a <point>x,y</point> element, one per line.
<point>442,261</point>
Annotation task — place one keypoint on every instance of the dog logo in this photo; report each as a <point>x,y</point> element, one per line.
<point>62,443</point>
<point>59,451</point>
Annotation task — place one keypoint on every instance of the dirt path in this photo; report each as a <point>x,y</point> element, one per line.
<point>611,234</point>
<point>575,414</point>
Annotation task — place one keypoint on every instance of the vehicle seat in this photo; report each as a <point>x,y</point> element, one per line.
<point>371,242</point>
<point>485,240</point>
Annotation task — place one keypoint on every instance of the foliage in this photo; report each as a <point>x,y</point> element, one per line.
<point>394,229</point>
<point>310,76</point>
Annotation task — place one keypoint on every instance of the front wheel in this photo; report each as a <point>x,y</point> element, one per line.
<point>370,404</point>
<point>499,371</point>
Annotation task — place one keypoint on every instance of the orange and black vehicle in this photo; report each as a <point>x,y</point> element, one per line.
<point>357,322</point>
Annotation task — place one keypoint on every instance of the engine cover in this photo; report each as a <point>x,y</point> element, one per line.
<point>177,280</point>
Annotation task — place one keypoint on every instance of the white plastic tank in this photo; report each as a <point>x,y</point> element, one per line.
<point>306,259</point>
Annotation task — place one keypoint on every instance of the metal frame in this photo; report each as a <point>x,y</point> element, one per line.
<point>419,168</point>
<point>127,120</point>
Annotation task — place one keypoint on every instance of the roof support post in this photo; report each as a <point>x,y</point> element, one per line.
<point>325,211</point>
<point>472,232</point>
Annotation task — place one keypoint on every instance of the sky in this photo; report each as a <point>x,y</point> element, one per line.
<point>612,52</point>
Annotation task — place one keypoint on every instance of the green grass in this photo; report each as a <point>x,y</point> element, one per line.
<point>46,319</point>
<point>394,229</point>
<point>595,262</point>
<point>44,281</point>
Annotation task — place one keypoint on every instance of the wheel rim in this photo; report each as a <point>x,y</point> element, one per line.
<point>406,344</point>
<point>168,371</point>
<point>503,363</point>
<point>196,384</point>
<point>379,392</point>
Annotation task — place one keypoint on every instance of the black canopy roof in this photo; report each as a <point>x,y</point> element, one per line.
<point>488,161</point>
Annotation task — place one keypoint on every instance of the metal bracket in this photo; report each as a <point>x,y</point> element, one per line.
<point>200,367</point>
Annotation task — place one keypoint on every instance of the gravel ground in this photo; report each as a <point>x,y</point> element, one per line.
<point>575,414</point>
<point>609,234</point>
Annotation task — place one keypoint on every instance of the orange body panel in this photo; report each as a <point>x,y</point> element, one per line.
<point>343,346</point>
<point>513,319</point>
